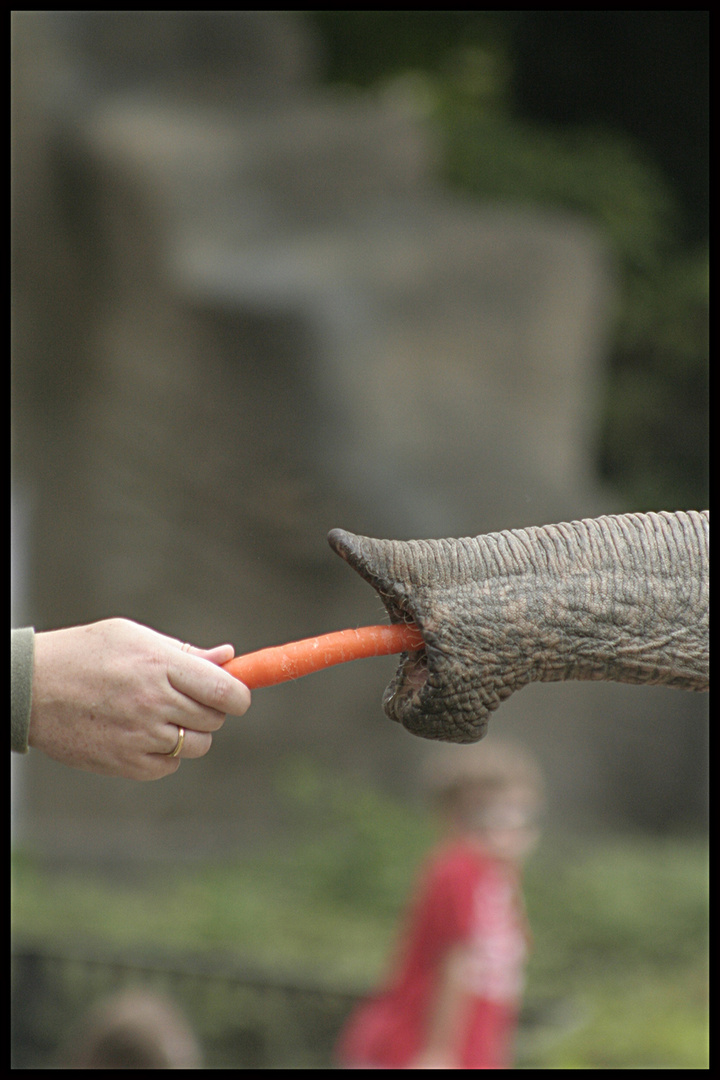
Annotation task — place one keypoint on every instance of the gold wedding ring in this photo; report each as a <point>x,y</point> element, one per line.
<point>181,740</point>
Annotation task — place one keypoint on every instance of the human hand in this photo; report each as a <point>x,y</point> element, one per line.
<point>110,697</point>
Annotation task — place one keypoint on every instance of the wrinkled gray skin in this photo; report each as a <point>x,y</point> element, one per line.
<point>623,599</point>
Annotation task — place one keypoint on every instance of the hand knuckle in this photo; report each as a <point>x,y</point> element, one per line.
<point>226,697</point>
<point>220,694</point>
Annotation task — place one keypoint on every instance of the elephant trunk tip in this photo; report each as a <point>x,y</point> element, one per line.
<point>372,561</point>
<point>341,542</point>
<point>355,550</point>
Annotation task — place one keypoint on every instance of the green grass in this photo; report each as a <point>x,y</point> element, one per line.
<point>618,976</point>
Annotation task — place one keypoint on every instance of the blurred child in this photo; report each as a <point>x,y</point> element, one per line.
<point>135,1029</point>
<point>453,997</point>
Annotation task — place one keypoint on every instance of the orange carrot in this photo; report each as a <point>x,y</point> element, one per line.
<point>266,667</point>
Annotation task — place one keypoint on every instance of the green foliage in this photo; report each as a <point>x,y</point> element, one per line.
<point>362,47</point>
<point>656,438</point>
<point>598,174</point>
<point>622,901</point>
<point>637,1023</point>
<point>621,932</point>
<point>618,974</point>
<point>360,847</point>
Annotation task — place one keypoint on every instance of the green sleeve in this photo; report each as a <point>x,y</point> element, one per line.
<point>22,648</point>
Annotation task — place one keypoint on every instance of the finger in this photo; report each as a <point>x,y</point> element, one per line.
<point>220,654</point>
<point>207,684</point>
<point>195,744</point>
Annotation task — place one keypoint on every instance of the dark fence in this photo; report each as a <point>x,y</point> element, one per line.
<point>243,1018</point>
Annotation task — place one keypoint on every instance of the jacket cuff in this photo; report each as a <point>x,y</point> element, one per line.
<point>22,652</point>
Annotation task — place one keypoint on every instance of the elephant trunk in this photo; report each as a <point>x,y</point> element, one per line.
<point>616,598</point>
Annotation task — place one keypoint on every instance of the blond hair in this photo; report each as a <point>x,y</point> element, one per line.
<point>487,769</point>
<point>135,1029</point>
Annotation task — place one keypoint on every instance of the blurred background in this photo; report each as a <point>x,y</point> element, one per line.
<point>411,274</point>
